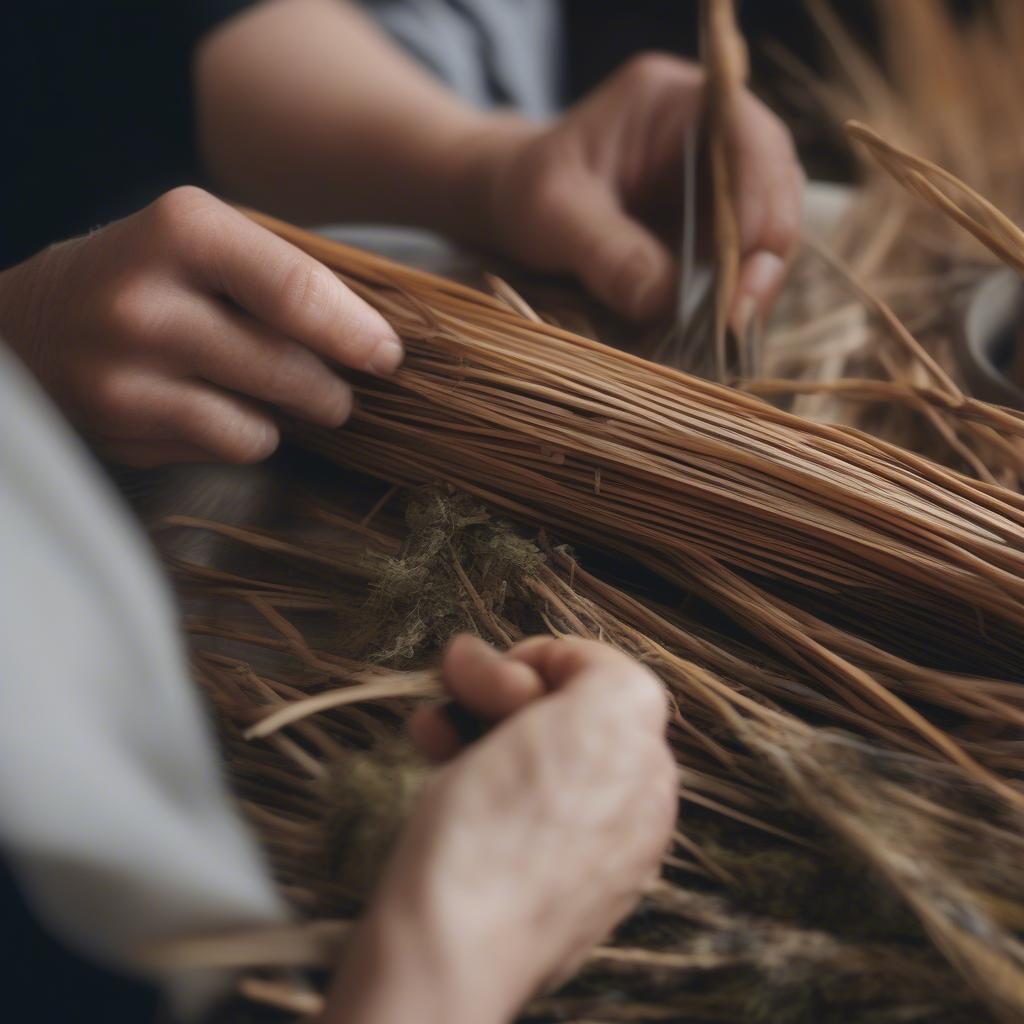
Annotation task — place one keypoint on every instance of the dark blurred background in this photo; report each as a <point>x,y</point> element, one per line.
<point>601,35</point>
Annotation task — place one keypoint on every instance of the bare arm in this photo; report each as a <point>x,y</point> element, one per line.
<point>306,109</point>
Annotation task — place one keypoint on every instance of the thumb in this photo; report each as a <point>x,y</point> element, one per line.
<point>617,258</point>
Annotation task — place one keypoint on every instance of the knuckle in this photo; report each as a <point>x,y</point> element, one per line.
<point>307,292</point>
<point>184,216</point>
<point>251,443</point>
<point>617,267</point>
<point>572,656</point>
<point>781,228</point>
<point>135,315</point>
<point>299,381</point>
<point>777,135</point>
<point>181,203</point>
<point>635,695</point>
<point>115,398</point>
<point>548,189</point>
<point>653,69</point>
<point>236,437</point>
<point>288,373</point>
<point>650,702</point>
<point>339,408</point>
<point>544,201</point>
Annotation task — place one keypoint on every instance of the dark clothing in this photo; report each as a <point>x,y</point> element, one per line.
<point>97,111</point>
<point>46,984</point>
<point>603,35</point>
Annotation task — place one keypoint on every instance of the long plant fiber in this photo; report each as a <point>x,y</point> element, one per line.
<point>726,61</point>
<point>946,98</point>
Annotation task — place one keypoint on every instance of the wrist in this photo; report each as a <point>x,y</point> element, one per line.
<point>472,167</point>
<point>397,970</point>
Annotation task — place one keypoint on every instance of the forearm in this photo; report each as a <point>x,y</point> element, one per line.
<point>306,109</point>
<point>25,298</point>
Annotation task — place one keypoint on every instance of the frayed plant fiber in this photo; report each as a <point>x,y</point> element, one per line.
<point>368,796</point>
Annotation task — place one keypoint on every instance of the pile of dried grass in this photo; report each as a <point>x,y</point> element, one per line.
<point>815,875</point>
<point>788,579</point>
<point>948,92</point>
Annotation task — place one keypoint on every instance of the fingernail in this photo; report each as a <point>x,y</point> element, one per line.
<point>762,274</point>
<point>745,311</point>
<point>760,278</point>
<point>387,357</point>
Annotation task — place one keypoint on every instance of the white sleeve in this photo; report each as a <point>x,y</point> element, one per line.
<point>113,813</point>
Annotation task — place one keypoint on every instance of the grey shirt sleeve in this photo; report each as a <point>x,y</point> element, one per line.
<point>493,53</point>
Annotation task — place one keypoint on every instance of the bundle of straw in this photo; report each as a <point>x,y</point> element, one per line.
<point>822,543</point>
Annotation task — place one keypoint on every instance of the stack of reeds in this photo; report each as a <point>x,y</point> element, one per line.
<point>833,548</point>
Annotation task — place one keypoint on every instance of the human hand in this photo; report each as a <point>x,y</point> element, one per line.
<point>165,336</point>
<point>530,846</point>
<point>598,192</point>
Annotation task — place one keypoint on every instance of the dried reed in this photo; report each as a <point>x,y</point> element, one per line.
<point>947,91</point>
<point>726,61</point>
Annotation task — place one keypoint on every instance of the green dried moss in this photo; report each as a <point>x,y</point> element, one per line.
<point>368,796</point>
<point>418,601</point>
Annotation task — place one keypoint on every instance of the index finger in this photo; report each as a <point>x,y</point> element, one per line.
<point>769,206</point>
<point>769,181</point>
<point>291,292</point>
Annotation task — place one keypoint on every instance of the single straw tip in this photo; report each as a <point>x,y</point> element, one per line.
<point>857,129</point>
<point>260,730</point>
